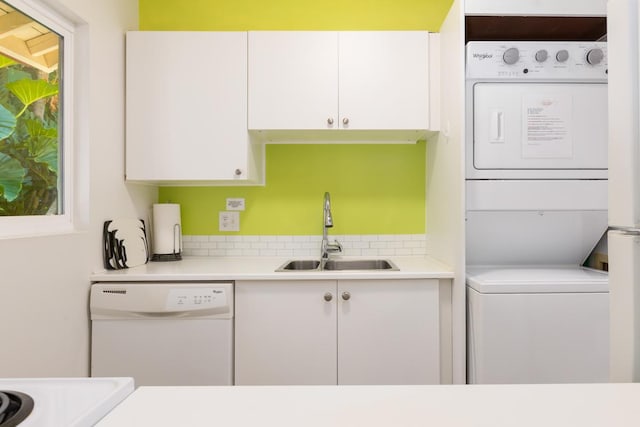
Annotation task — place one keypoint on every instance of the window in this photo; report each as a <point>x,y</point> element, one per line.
<point>35,111</point>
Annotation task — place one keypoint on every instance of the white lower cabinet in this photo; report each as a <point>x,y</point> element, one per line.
<point>337,332</point>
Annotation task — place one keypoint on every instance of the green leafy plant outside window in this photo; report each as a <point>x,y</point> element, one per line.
<point>29,147</point>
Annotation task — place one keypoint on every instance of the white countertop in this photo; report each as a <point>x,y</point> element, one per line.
<point>579,405</point>
<point>263,268</point>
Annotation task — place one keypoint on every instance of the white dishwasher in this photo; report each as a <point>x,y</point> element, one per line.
<point>163,333</point>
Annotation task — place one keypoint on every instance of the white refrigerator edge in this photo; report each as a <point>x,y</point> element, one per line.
<point>624,187</point>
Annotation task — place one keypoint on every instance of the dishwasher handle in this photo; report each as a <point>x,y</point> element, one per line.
<point>99,313</point>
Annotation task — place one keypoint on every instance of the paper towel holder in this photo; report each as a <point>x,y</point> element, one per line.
<point>167,232</point>
<point>176,255</point>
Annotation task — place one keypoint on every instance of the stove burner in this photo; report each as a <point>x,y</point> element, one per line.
<point>14,408</point>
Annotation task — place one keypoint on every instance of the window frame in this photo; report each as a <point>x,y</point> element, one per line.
<point>64,222</point>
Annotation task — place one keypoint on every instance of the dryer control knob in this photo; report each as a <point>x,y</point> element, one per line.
<point>542,55</point>
<point>511,55</point>
<point>595,56</point>
<point>562,55</point>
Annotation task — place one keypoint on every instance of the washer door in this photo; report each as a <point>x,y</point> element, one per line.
<point>538,338</point>
<point>540,126</point>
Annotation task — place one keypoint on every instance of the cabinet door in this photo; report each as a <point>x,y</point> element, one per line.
<point>388,332</point>
<point>293,79</point>
<point>384,79</point>
<point>285,332</point>
<point>186,101</point>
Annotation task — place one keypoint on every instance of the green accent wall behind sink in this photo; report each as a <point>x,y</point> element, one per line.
<point>375,189</point>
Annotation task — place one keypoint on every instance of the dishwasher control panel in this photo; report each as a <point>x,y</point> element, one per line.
<point>187,298</point>
<point>129,300</point>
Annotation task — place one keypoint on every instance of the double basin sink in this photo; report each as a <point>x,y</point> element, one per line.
<point>339,265</point>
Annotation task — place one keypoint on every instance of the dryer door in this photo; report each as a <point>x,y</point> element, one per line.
<point>543,127</point>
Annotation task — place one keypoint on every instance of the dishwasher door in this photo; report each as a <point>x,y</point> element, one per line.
<point>168,334</point>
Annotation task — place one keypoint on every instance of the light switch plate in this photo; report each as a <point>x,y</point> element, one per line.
<point>229,221</point>
<point>235,204</point>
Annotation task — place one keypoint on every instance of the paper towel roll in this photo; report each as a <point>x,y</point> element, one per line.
<point>167,228</point>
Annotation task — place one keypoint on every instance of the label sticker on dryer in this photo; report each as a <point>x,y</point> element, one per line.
<point>547,127</point>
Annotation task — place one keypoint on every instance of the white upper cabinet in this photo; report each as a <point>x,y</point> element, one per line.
<point>350,80</point>
<point>384,80</point>
<point>186,109</point>
<point>293,80</point>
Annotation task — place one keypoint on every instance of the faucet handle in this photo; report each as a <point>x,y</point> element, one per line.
<point>334,246</point>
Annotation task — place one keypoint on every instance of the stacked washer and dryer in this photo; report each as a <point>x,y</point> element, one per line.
<point>536,206</point>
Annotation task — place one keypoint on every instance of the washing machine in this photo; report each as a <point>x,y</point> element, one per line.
<point>536,206</point>
<point>537,325</point>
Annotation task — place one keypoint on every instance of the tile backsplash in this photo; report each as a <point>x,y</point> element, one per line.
<point>294,246</point>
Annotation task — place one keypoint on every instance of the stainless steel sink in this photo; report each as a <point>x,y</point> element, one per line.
<point>338,265</point>
<point>300,265</point>
<point>360,264</point>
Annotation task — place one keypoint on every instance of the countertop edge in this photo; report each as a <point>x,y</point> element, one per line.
<point>264,268</point>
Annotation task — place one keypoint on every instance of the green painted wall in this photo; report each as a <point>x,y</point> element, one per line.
<point>375,189</point>
<point>293,14</point>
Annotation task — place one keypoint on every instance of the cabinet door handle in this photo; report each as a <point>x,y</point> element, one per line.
<point>330,120</point>
<point>346,296</point>
<point>238,172</point>
<point>345,121</point>
<point>328,296</point>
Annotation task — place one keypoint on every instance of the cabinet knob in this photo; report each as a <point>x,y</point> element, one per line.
<point>345,121</point>
<point>328,296</point>
<point>346,296</point>
<point>238,172</point>
<point>330,120</point>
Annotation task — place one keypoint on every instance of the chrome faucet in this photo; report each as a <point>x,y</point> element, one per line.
<point>327,222</point>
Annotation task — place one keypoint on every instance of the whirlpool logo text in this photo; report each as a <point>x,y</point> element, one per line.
<point>482,56</point>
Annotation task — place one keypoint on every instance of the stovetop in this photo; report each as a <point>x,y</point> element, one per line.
<point>54,402</point>
<point>15,407</point>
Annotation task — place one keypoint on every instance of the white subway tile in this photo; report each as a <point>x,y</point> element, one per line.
<point>251,252</point>
<point>404,251</point>
<point>379,245</point>
<point>414,244</point>
<point>304,245</point>
<point>369,252</point>
<point>199,252</point>
<point>217,252</point>
<point>284,252</point>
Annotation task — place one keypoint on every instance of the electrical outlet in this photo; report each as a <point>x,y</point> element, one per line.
<point>229,221</point>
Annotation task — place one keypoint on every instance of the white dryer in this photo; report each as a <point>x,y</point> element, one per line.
<point>536,205</point>
<point>537,325</point>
